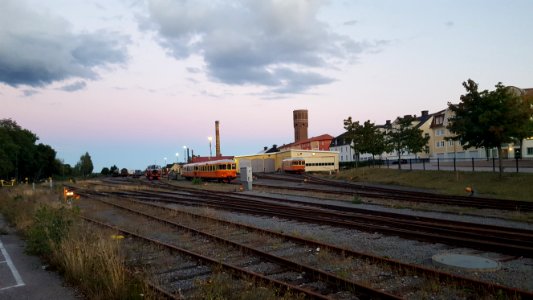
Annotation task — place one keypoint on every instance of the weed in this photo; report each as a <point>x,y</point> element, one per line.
<point>197,181</point>
<point>223,286</point>
<point>91,259</point>
<point>357,199</point>
<point>48,229</point>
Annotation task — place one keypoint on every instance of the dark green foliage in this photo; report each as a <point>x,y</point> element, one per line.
<point>105,171</point>
<point>50,226</point>
<point>489,119</point>
<point>366,138</point>
<point>404,136</point>
<point>20,157</point>
<point>84,167</point>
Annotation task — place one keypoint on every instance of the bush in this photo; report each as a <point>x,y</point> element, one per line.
<point>49,228</point>
<point>197,181</point>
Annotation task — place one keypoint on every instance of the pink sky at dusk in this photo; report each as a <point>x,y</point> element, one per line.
<point>132,82</point>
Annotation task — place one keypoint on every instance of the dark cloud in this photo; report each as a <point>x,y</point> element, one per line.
<point>37,49</point>
<point>76,86</point>
<point>350,23</point>
<point>254,42</point>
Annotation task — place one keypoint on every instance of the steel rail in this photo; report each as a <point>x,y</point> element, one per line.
<point>316,273</point>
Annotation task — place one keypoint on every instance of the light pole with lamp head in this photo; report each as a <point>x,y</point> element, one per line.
<point>185,158</point>
<point>177,157</point>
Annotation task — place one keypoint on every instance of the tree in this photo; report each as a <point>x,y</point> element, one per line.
<point>372,139</point>
<point>354,132</point>
<point>105,171</point>
<point>45,162</point>
<point>85,165</point>
<point>20,157</point>
<point>113,170</point>
<point>406,137</point>
<point>490,119</point>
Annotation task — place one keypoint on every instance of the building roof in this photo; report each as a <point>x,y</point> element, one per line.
<point>309,140</point>
<point>341,140</point>
<point>198,159</point>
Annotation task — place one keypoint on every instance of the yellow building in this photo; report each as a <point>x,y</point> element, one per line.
<point>315,161</point>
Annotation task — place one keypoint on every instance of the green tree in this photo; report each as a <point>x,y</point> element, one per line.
<point>490,119</point>
<point>105,171</point>
<point>18,148</point>
<point>85,165</point>
<point>406,137</point>
<point>354,133</point>
<point>113,170</point>
<point>45,162</point>
<point>372,139</point>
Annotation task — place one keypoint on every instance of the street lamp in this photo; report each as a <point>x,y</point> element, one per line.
<point>165,161</point>
<point>177,157</point>
<point>210,139</point>
<point>185,158</point>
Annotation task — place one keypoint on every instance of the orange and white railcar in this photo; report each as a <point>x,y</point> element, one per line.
<point>293,165</point>
<point>220,170</point>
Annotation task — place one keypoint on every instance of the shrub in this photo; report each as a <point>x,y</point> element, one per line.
<point>49,228</point>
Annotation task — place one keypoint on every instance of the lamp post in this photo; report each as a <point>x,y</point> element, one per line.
<point>165,162</point>
<point>185,154</point>
<point>177,157</point>
<point>210,139</point>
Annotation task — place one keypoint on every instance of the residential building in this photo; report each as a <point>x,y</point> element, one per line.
<point>320,142</point>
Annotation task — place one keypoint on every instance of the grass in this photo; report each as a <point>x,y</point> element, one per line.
<point>224,286</point>
<point>86,256</point>
<point>513,186</point>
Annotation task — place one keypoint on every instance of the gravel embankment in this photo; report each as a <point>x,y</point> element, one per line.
<point>515,273</point>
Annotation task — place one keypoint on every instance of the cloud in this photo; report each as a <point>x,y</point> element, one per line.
<point>350,23</point>
<point>449,24</point>
<point>29,93</point>
<point>279,45</point>
<point>37,49</point>
<point>76,86</point>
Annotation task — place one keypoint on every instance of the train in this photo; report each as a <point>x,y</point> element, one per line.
<point>219,170</point>
<point>293,165</point>
<point>153,172</point>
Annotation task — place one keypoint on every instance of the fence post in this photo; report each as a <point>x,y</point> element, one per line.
<point>387,160</point>
<point>472,164</point>
<point>424,164</point>
<point>516,159</point>
<point>438,164</point>
<point>493,165</point>
<point>410,164</point>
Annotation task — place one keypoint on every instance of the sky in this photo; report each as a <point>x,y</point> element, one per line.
<point>132,82</point>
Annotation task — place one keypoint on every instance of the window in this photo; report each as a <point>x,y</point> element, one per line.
<point>530,151</point>
<point>439,132</point>
<point>439,144</point>
<point>450,143</point>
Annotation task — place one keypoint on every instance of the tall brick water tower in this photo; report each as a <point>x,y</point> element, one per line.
<point>300,124</point>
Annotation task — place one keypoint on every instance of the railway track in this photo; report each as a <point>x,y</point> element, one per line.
<point>510,241</point>
<point>231,233</point>
<point>237,257</point>
<point>362,190</point>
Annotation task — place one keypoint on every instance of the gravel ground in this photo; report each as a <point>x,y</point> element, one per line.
<point>516,272</point>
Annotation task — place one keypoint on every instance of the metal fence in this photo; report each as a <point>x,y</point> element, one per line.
<point>463,164</point>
